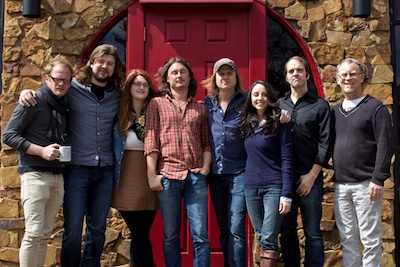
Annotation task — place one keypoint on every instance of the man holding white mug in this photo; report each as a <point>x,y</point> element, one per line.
<point>38,133</point>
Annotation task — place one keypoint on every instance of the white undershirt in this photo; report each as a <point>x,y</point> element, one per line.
<point>348,105</point>
<point>133,142</point>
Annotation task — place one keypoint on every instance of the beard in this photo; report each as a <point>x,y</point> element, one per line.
<point>99,78</point>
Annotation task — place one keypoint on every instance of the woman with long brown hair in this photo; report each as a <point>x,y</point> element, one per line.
<point>269,167</point>
<point>136,202</point>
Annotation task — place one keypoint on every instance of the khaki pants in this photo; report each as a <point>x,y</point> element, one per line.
<point>41,195</point>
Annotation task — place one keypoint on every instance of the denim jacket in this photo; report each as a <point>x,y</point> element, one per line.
<point>118,147</point>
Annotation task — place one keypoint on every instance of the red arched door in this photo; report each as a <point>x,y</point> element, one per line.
<point>201,33</point>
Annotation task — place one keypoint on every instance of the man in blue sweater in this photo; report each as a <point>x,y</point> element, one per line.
<point>311,127</point>
<point>363,148</point>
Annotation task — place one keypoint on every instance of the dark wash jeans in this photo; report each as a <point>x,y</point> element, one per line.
<point>311,213</point>
<point>227,195</point>
<point>88,191</point>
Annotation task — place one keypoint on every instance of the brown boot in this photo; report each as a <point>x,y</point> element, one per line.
<point>269,258</point>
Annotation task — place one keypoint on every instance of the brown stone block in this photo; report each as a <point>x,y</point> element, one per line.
<point>12,224</point>
<point>50,256</point>
<point>340,38</point>
<point>388,194</point>
<point>81,5</point>
<point>387,231</point>
<point>15,238</point>
<point>381,59</point>
<point>362,38</point>
<point>387,211</point>
<point>30,70</point>
<point>111,236</point>
<point>333,258</point>
<point>4,238</point>
<point>29,83</point>
<point>332,239</point>
<point>12,193</point>
<point>356,24</point>
<point>56,238</point>
<point>12,54</point>
<point>10,158</point>
<point>48,30</point>
<point>92,16</point>
<point>381,37</point>
<point>328,197</point>
<point>389,184</point>
<point>78,34</point>
<point>388,259</point>
<point>31,43</point>
<point>327,211</point>
<point>11,68</point>
<point>12,29</point>
<point>326,53</point>
<point>10,41</point>
<point>10,177</point>
<point>388,246</point>
<point>297,11</point>
<point>381,91</point>
<point>336,22</point>
<point>329,74</point>
<point>332,6</point>
<point>357,52</point>
<point>6,111</point>
<point>280,3</point>
<point>13,7</point>
<point>67,47</point>
<point>123,248</point>
<point>60,6</point>
<point>9,254</point>
<point>9,208</point>
<point>327,225</point>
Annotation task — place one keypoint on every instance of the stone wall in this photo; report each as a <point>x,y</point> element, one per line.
<point>67,26</point>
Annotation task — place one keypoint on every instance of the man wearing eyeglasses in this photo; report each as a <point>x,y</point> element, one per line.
<point>311,125</point>
<point>363,148</point>
<point>94,99</point>
<point>37,134</point>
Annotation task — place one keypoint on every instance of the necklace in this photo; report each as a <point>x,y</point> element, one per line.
<point>180,106</point>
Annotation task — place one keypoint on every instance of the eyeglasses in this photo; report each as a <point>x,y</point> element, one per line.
<point>351,75</point>
<point>139,84</point>
<point>59,80</point>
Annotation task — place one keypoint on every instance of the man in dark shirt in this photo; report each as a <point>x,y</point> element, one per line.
<point>37,134</point>
<point>311,126</point>
<point>363,148</point>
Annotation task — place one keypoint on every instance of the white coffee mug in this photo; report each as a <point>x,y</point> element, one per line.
<point>65,154</point>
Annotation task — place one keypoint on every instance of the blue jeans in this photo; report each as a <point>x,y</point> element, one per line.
<point>263,207</point>
<point>193,190</point>
<point>88,191</point>
<point>311,213</point>
<point>227,195</point>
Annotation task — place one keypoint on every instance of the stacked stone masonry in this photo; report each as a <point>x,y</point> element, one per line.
<point>67,26</point>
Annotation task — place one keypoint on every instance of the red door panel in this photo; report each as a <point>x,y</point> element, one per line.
<point>199,33</point>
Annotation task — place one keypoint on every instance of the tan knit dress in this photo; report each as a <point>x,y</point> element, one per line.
<point>134,193</point>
